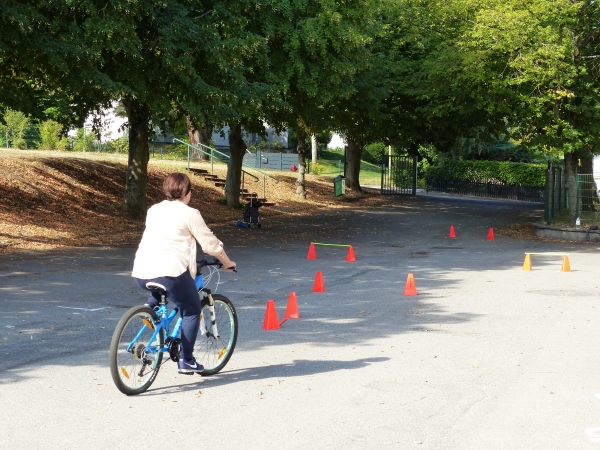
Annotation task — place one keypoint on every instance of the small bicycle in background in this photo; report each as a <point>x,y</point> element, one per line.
<point>143,334</point>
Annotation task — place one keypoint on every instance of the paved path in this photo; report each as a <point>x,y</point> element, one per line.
<point>487,356</point>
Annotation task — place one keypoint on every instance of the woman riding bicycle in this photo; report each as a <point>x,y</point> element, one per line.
<point>167,256</point>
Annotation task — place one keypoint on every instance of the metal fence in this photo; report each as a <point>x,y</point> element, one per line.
<point>555,193</point>
<point>399,175</point>
<point>31,138</point>
<point>274,161</point>
<point>485,190</point>
<point>588,205</point>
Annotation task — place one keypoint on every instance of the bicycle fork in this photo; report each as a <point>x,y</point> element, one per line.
<point>211,311</point>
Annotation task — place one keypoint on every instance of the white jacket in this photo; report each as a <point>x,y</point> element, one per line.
<point>168,245</point>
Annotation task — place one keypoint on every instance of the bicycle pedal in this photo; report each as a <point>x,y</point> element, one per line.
<point>186,373</point>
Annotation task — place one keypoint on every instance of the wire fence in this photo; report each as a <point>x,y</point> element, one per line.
<point>588,204</point>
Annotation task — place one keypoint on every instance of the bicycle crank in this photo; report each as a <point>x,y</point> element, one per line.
<point>175,349</point>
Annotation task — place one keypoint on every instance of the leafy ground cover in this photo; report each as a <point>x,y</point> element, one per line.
<point>60,199</point>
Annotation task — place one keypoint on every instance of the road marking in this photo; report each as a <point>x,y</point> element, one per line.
<point>593,434</point>
<point>84,309</point>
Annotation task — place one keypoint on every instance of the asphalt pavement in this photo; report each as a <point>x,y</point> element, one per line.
<point>486,356</point>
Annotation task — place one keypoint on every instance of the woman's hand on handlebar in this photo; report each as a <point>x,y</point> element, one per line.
<point>231,268</point>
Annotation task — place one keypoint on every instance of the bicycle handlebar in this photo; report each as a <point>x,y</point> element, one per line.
<point>200,264</point>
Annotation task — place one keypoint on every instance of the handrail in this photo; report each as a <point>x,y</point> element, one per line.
<point>255,177</point>
<point>212,158</point>
<point>221,153</point>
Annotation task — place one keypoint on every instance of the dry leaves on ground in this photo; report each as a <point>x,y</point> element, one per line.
<point>61,199</point>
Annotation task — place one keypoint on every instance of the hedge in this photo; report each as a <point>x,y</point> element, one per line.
<point>495,172</point>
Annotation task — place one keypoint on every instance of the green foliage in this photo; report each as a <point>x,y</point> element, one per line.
<point>317,168</point>
<point>324,138</point>
<point>13,131</point>
<point>374,152</point>
<point>497,149</point>
<point>175,152</point>
<point>119,145</point>
<point>50,133</point>
<point>85,141</point>
<point>519,174</point>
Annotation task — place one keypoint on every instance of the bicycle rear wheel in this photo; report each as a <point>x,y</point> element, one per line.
<point>134,370</point>
<point>211,351</point>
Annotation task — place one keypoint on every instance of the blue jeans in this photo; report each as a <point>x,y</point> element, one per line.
<point>182,291</point>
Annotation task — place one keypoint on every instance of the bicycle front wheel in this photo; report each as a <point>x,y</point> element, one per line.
<point>213,352</point>
<point>135,356</point>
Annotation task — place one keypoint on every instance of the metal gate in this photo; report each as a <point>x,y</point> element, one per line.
<point>399,175</point>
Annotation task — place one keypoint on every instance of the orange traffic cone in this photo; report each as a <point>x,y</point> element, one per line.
<point>491,234</point>
<point>411,287</point>
<point>350,256</point>
<point>291,312</point>
<point>452,232</point>
<point>312,253</point>
<point>271,322</point>
<point>566,267</point>
<point>319,286</point>
<point>527,263</point>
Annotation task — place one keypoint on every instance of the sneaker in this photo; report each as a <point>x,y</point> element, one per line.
<point>189,368</point>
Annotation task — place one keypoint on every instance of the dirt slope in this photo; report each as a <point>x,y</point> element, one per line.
<point>60,199</point>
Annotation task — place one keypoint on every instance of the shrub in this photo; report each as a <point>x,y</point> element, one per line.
<point>119,145</point>
<point>519,174</point>
<point>50,132</point>
<point>62,144</point>
<point>85,142</point>
<point>20,143</point>
<point>317,169</point>
<point>14,130</point>
<point>373,152</point>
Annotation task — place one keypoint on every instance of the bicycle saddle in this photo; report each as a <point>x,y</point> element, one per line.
<point>155,287</point>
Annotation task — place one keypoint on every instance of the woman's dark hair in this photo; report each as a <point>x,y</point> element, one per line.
<point>177,185</point>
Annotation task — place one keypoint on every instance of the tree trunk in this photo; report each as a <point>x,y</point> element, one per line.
<point>353,165</point>
<point>571,163</point>
<point>587,163</point>
<point>313,146</point>
<point>237,147</point>
<point>301,181</point>
<point>201,136</point>
<point>136,181</point>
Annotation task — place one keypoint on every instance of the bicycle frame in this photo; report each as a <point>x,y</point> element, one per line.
<point>165,322</point>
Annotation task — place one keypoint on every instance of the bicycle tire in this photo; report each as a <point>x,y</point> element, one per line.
<point>129,373</point>
<point>214,353</point>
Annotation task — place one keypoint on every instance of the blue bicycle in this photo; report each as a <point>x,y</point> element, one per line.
<point>143,334</point>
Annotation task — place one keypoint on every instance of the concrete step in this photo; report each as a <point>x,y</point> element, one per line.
<point>220,183</point>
